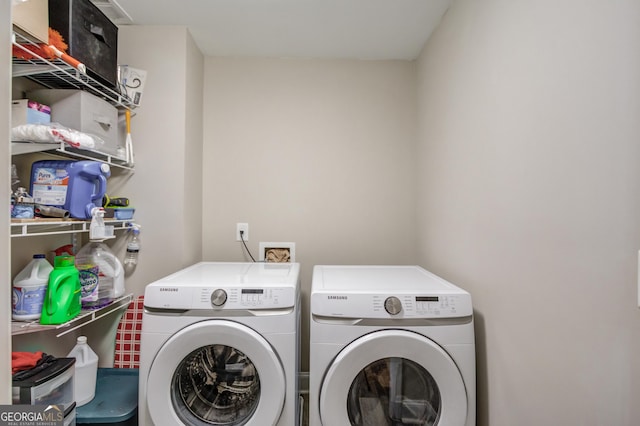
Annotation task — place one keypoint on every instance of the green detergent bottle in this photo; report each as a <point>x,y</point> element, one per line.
<point>62,299</point>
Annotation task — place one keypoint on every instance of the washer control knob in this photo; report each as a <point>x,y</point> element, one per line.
<point>218,297</point>
<point>393,305</point>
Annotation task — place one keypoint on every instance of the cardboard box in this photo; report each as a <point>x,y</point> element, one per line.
<point>30,18</point>
<point>25,111</point>
<point>82,111</point>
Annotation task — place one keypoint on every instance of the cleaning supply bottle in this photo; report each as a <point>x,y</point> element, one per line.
<point>101,273</point>
<point>29,288</point>
<point>84,379</point>
<point>133,249</point>
<point>62,298</point>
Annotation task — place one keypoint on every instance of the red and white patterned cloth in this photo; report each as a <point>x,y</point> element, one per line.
<point>127,354</point>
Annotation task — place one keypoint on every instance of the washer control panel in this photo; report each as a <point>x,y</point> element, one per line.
<point>359,305</point>
<point>245,298</point>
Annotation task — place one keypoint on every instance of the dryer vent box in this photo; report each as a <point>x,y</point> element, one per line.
<point>277,252</point>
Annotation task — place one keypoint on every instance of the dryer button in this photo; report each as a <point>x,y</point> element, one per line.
<point>393,305</point>
<point>218,297</point>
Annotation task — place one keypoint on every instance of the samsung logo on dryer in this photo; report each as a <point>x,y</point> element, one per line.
<point>174,289</point>
<point>330,297</point>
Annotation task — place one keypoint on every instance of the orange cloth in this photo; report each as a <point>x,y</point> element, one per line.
<point>24,360</point>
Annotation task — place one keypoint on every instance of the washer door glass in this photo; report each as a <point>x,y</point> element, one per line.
<point>215,372</point>
<point>393,378</point>
<point>394,391</point>
<point>217,384</point>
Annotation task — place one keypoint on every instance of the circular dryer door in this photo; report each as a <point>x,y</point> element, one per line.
<point>216,372</point>
<point>393,377</point>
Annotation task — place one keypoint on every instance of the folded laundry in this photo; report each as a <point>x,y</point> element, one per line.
<point>24,360</point>
<point>55,133</point>
<point>26,364</point>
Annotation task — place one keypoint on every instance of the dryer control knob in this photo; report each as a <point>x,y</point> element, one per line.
<point>393,305</point>
<point>218,297</point>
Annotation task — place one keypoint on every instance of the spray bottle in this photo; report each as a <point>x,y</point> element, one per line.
<point>101,273</point>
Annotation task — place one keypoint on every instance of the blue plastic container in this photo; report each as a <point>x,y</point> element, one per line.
<point>76,186</point>
<point>116,400</point>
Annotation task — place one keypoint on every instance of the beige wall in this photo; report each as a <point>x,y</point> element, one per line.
<point>315,152</point>
<point>167,137</point>
<point>529,197</point>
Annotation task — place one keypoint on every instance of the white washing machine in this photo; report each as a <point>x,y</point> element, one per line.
<point>220,346</point>
<point>390,345</point>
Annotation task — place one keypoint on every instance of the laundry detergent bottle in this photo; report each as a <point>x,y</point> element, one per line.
<point>62,299</point>
<point>29,289</point>
<point>75,186</point>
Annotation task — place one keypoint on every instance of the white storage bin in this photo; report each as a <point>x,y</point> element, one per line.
<point>84,112</point>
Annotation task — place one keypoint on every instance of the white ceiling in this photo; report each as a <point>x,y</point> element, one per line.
<point>362,29</point>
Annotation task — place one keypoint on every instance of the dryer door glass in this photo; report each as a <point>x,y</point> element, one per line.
<point>393,391</point>
<point>215,385</point>
<point>391,378</point>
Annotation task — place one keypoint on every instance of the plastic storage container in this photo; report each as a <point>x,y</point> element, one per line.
<point>86,371</point>
<point>51,386</point>
<point>76,186</point>
<point>29,289</point>
<point>116,400</point>
<point>62,299</point>
<point>101,274</point>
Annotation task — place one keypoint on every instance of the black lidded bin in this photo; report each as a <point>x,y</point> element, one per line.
<point>91,36</point>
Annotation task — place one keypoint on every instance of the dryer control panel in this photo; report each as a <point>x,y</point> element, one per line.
<point>359,305</point>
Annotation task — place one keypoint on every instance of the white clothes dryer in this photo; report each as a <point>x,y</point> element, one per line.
<point>390,346</point>
<point>220,346</point>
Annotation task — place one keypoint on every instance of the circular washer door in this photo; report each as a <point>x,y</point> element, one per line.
<point>216,372</point>
<point>393,377</point>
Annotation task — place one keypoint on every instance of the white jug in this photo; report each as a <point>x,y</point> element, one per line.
<point>86,371</point>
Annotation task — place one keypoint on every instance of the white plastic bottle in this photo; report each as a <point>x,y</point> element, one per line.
<point>29,289</point>
<point>133,249</point>
<point>86,373</point>
<point>101,275</point>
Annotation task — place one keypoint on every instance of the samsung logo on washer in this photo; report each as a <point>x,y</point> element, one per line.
<point>168,289</point>
<point>337,297</point>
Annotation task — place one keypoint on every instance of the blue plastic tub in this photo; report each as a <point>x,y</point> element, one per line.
<point>116,400</point>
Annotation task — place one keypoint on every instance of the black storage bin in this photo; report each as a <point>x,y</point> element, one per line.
<point>91,36</point>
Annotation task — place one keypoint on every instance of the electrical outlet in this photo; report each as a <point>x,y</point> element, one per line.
<point>244,227</point>
<point>279,252</point>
